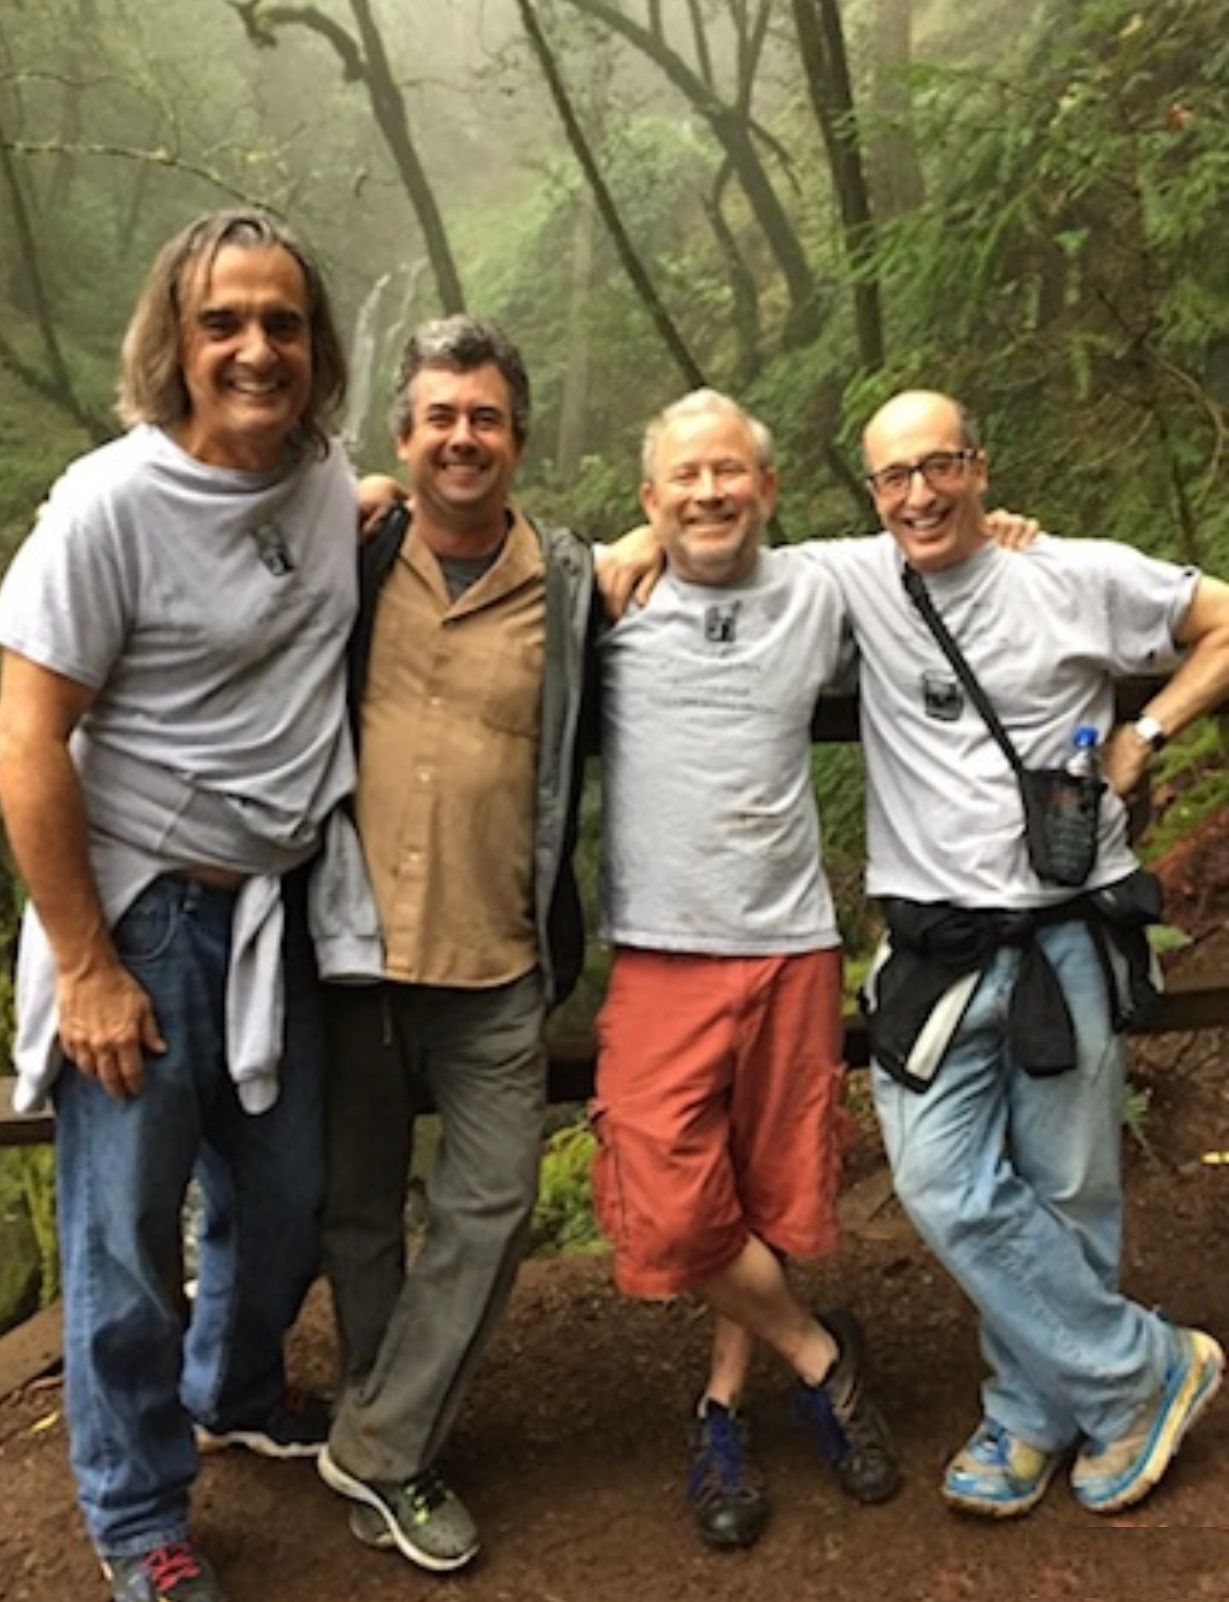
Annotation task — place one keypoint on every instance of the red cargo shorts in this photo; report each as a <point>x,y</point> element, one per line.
<point>717,1111</point>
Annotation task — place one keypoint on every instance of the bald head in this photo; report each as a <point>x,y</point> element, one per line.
<point>927,474</point>
<point>913,408</point>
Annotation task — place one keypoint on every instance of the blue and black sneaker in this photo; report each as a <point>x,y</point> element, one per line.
<point>848,1429</point>
<point>725,1488</point>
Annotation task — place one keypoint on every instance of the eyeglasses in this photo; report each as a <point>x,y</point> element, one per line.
<point>942,470</point>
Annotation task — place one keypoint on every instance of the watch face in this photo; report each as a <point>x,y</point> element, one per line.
<point>1150,732</point>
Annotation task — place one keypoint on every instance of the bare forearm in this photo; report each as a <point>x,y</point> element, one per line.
<point>1199,685</point>
<point>106,1021</point>
<point>44,812</point>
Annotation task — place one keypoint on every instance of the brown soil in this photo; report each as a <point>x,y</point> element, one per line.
<point>571,1451</point>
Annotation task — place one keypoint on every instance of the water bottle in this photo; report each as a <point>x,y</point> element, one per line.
<point>1071,824</point>
<point>1085,760</point>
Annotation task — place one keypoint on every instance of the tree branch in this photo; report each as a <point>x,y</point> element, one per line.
<point>730,127</point>
<point>604,200</point>
<point>699,33</point>
<point>261,23</point>
<point>154,158</point>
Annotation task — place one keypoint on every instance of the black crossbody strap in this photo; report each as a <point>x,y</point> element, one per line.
<point>915,589</point>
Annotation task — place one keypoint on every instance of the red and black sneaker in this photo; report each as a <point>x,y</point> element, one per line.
<point>173,1573</point>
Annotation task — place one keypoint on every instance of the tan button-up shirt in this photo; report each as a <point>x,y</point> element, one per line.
<point>448,771</point>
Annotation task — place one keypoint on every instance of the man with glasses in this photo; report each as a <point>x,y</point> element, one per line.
<point>999,1075</point>
<point>1008,1167</point>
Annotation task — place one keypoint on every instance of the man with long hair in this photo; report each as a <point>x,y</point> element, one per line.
<point>172,735</point>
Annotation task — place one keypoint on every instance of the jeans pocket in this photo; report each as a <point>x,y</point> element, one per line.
<point>146,929</point>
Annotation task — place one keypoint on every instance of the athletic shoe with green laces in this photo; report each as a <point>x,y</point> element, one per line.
<point>420,1516</point>
<point>173,1573</point>
<point>1111,1475</point>
<point>997,1474</point>
<point>725,1488</point>
<point>847,1427</point>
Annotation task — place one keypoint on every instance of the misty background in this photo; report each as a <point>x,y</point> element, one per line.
<point>807,203</point>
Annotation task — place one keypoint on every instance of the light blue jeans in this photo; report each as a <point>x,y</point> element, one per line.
<point>135,1378</point>
<point>1014,1183</point>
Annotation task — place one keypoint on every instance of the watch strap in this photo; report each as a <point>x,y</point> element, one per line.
<point>1150,732</point>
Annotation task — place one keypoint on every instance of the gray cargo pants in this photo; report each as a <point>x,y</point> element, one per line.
<point>412,1335</point>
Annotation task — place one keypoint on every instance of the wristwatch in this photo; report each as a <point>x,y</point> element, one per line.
<point>1150,732</point>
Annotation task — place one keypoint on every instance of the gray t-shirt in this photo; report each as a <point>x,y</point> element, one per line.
<point>1045,631</point>
<point>208,607</point>
<point>210,610</point>
<point>710,831</point>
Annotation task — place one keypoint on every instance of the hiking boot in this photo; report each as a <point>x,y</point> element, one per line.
<point>848,1429</point>
<point>725,1488</point>
<point>298,1426</point>
<point>421,1517</point>
<point>1110,1475</point>
<point>176,1572</point>
<point>997,1474</point>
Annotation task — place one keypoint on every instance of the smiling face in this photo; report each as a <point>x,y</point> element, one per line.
<point>936,528</point>
<point>461,450</point>
<point>245,354</point>
<point>709,497</point>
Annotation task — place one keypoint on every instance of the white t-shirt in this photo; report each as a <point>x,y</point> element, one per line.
<point>1045,631</point>
<point>711,839</point>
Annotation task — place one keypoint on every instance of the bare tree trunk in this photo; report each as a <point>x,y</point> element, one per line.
<point>731,127</point>
<point>370,67</point>
<point>389,107</point>
<point>743,288</point>
<point>896,173</point>
<point>574,399</point>
<point>821,40</point>
<point>77,47</point>
<point>56,385</point>
<point>704,58</point>
<point>605,203</point>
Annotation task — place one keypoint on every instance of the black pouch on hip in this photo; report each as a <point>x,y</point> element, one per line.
<point>1062,813</point>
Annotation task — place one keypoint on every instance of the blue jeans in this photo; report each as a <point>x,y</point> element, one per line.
<point>1014,1183</point>
<point>136,1378</point>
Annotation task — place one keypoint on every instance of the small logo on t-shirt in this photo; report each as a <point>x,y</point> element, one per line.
<point>721,622</point>
<point>942,697</point>
<point>272,549</point>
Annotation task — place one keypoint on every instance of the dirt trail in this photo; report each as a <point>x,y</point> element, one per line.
<point>571,1452</point>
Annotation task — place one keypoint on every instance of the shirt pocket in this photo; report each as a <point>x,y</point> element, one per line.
<point>512,690</point>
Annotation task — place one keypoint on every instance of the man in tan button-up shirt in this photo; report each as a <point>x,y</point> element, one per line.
<point>467,671</point>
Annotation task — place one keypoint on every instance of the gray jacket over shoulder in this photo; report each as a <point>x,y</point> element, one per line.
<point>568,675</point>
